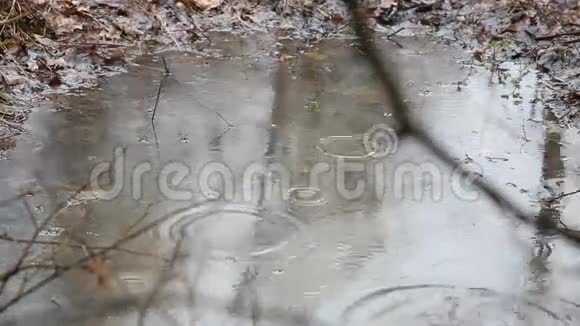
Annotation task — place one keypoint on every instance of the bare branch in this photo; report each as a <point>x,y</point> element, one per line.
<point>408,128</point>
<point>163,278</point>
<point>60,270</point>
<point>79,246</point>
<point>26,251</point>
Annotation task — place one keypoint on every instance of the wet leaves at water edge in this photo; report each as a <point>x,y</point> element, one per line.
<point>48,46</point>
<point>206,4</point>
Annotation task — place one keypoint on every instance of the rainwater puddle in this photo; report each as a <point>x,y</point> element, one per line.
<point>427,304</point>
<point>314,202</point>
<point>271,230</point>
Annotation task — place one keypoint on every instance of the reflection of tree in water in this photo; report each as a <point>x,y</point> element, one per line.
<point>73,137</point>
<point>552,169</point>
<point>322,91</point>
<point>550,214</point>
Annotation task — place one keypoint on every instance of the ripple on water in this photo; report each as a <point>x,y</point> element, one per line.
<point>349,260</point>
<point>429,304</point>
<point>272,229</point>
<point>348,147</point>
<point>306,196</point>
<point>134,282</point>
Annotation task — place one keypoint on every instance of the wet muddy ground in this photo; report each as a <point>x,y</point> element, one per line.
<point>335,233</point>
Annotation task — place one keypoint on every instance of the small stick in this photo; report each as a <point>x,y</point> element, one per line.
<point>159,88</point>
<point>167,72</point>
<point>164,25</point>
<point>525,138</point>
<point>395,32</point>
<point>102,44</point>
<point>572,41</point>
<point>15,18</point>
<point>77,246</point>
<point>553,36</point>
<point>12,125</point>
<point>564,195</point>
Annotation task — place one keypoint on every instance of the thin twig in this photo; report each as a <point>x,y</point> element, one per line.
<point>215,111</point>
<point>12,125</point>
<point>395,32</point>
<point>553,36</point>
<point>167,72</point>
<point>15,18</point>
<point>163,278</point>
<point>525,138</point>
<point>79,246</point>
<point>60,270</point>
<point>139,220</point>
<point>572,41</point>
<point>15,269</point>
<point>409,128</point>
<point>8,201</point>
<point>30,214</point>
<point>558,20</point>
<point>563,195</point>
<point>164,25</point>
<point>91,44</point>
<point>161,82</point>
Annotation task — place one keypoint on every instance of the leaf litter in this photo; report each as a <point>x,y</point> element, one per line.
<point>62,45</point>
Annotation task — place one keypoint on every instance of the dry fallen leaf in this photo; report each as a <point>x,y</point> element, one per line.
<point>98,265</point>
<point>59,63</point>
<point>207,4</point>
<point>115,57</point>
<point>478,55</point>
<point>337,18</point>
<point>64,25</point>
<point>285,57</point>
<point>45,41</point>
<point>31,65</point>
<point>388,3</point>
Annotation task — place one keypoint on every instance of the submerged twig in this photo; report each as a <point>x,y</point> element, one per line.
<point>167,72</point>
<point>215,111</point>
<point>161,81</point>
<point>563,195</point>
<point>525,138</point>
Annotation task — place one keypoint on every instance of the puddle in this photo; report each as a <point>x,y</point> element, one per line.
<point>289,196</point>
<point>440,304</point>
<point>271,230</point>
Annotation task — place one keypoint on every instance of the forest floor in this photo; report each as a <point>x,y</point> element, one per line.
<point>61,45</point>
